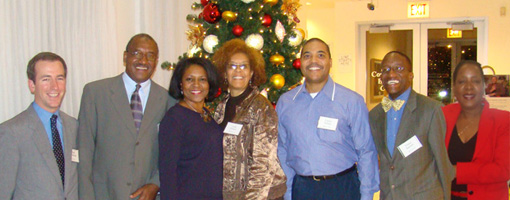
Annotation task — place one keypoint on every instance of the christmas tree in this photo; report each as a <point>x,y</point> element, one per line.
<point>266,25</point>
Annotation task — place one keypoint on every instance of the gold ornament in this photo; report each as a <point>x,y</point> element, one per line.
<point>278,81</point>
<point>302,32</point>
<point>196,34</point>
<point>277,59</point>
<point>271,2</point>
<point>229,16</point>
<point>290,7</point>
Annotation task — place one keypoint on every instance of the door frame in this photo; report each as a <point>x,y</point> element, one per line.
<point>420,47</point>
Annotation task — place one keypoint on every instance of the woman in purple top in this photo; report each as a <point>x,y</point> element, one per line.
<point>190,142</point>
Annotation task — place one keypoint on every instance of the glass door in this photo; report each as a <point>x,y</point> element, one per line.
<point>444,50</point>
<point>432,53</point>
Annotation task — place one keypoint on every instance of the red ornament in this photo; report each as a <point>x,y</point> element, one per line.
<point>218,93</point>
<point>237,30</point>
<point>204,2</point>
<point>297,63</point>
<point>211,13</point>
<point>267,20</point>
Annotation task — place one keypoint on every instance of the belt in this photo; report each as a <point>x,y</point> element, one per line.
<point>460,194</point>
<point>322,178</point>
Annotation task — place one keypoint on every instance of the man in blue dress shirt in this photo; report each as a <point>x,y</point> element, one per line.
<point>38,152</point>
<point>409,131</point>
<point>325,145</point>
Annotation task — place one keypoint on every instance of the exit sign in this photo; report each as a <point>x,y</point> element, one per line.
<point>418,9</point>
<point>453,34</point>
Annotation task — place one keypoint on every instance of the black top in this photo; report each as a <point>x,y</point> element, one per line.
<point>190,156</point>
<point>230,108</point>
<point>460,152</point>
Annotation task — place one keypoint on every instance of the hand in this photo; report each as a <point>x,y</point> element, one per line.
<point>146,192</point>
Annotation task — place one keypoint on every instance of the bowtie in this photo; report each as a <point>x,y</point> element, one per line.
<point>387,103</point>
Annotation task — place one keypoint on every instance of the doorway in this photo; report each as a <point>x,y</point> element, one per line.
<point>420,41</point>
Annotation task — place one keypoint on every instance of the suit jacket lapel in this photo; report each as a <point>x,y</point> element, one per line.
<point>382,121</point>
<point>42,142</point>
<point>405,129</point>
<point>119,100</point>
<point>151,109</point>
<point>68,146</point>
<point>484,131</point>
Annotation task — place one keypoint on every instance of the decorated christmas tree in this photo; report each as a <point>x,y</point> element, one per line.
<point>266,25</point>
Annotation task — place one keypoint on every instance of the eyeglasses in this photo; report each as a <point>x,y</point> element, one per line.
<point>394,68</point>
<point>238,66</point>
<point>139,55</point>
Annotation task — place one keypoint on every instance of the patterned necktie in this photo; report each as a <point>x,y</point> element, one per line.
<point>136,107</point>
<point>57,148</point>
<point>387,104</point>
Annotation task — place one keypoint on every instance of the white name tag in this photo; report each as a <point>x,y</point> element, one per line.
<point>233,128</point>
<point>75,157</point>
<point>409,146</point>
<point>327,123</point>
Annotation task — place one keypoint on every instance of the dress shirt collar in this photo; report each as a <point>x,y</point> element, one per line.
<point>328,90</point>
<point>43,114</point>
<point>131,85</point>
<point>404,96</point>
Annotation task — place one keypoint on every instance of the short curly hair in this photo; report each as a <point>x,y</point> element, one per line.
<point>257,64</point>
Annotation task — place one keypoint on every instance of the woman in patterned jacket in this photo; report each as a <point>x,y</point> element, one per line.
<point>251,169</point>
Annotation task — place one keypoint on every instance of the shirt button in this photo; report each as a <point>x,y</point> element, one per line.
<point>395,118</point>
<point>137,143</point>
<point>392,186</point>
<point>128,184</point>
<point>392,167</point>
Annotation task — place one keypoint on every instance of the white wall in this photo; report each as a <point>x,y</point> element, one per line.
<point>336,24</point>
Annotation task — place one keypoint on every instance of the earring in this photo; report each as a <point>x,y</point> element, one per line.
<point>250,83</point>
<point>182,92</point>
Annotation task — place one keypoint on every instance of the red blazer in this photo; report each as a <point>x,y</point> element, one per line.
<point>487,174</point>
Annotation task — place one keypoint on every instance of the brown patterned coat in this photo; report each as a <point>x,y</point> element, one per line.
<point>251,168</point>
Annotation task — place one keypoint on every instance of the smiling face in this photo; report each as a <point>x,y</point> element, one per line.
<point>468,87</point>
<point>195,85</point>
<point>141,59</point>
<point>239,73</point>
<point>315,62</point>
<point>399,77</point>
<point>49,86</point>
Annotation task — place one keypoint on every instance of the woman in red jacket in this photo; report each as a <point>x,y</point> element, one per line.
<point>477,138</point>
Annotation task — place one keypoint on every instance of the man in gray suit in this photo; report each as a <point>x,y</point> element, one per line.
<point>409,132</point>
<point>38,156</point>
<point>118,133</point>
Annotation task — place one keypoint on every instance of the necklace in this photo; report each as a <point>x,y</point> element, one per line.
<point>470,122</point>
<point>204,114</point>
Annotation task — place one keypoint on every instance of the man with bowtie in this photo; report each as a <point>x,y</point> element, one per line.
<point>409,131</point>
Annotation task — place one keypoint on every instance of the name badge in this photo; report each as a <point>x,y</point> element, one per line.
<point>75,155</point>
<point>233,128</point>
<point>409,146</point>
<point>327,123</point>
